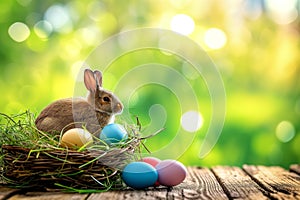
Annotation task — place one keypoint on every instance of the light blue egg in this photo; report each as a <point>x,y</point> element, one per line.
<point>113,133</point>
<point>139,175</point>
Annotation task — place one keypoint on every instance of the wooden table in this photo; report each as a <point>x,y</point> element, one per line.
<point>220,182</point>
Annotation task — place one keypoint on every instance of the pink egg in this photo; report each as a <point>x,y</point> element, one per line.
<point>151,160</point>
<point>171,172</point>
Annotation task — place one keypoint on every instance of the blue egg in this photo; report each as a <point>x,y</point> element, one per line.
<point>113,133</point>
<point>139,175</point>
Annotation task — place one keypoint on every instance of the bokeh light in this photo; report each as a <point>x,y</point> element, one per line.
<point>281,11</point>
<point>183,24</point>
<point>90,35</point>
<point>59,17</point>
<point>43,29</point>
<point>95,9</point>
<point>19,31</point>
<point>254,44</point>
<point>215,38</point>
<point>191,121</point>
<point>285,131</point>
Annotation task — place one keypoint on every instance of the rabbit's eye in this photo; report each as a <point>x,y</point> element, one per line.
<point>106,99</point>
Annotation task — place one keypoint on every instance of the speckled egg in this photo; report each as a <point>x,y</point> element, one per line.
<point>76,137</point>
<point>139,175</point>
<point>113,133</point>
<point>171,172</point>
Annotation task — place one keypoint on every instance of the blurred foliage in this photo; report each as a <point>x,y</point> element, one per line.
<point>259,63</point>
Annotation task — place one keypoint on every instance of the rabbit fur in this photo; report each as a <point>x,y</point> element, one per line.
<point>94,112</point>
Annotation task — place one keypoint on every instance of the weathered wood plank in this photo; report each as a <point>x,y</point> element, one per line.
<point>237,184</point>
<point>6,192</point>
<point>151,193</point>
<point>221,182</point>
<point>49,196</point>
<point>199,184</point>
<point>280,183</point>
<point>295,168</point>
<point>130,194</point>
<point>202,184</point>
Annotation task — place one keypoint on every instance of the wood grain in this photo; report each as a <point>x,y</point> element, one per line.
<point>137,194</point>
<point>49,196</point>
<point>278,182</point>
<point>237,184</point>
<point>6,192</point>
<point>202,184</point>
<point>295,168</point>
<point>220,182</point>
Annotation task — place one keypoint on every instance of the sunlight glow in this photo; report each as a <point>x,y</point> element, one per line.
<point>191,121</point>
<point>19,31</point>
<point>215,38</point>
<point>183,24</point>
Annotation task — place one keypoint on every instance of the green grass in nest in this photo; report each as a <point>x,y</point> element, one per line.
<point>20,130</point>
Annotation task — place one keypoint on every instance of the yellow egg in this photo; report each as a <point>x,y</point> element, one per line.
<point>76,137</point>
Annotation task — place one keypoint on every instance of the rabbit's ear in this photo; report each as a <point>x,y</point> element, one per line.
<point>98,76</point>
<point>89,80</point>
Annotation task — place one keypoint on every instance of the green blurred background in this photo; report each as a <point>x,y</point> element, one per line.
<point>254,43</point>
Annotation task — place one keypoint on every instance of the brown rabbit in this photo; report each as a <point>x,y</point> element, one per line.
<point>94,112</point>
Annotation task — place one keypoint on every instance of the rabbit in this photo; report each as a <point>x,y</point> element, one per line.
<point>94,112</point>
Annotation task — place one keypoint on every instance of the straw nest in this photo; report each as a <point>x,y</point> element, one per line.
<point>31,158</point>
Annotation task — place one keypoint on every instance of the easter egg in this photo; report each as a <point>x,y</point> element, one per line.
<point>170,172</point>
<point>152,161</point>
<point>113,133</point>
<point>139,175</point>
<point>76,137</point>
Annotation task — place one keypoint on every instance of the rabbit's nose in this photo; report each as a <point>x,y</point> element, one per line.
<point>120,106</point>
